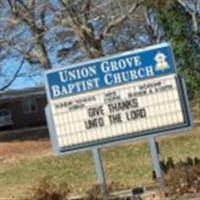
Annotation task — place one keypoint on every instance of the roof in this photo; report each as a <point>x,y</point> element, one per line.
<point>17,94</point>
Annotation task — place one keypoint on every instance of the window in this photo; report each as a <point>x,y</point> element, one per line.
<point>30,106</point>
<point>4,113</point>
<point>5,118</point>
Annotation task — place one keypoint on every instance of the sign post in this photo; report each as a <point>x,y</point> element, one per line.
<point>155,158</point>
<point>117,99</point>
<point>100,172</point>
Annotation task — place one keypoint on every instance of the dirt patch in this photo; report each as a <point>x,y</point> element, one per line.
<point>17,145</point>
<point>17,151</point>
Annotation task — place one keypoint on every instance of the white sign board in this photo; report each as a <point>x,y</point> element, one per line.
<point>114,99</point>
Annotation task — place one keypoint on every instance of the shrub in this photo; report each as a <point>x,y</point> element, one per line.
<point>182,177</point>
<point>47,190</point>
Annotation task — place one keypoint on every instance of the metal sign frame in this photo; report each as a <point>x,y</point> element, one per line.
<point>123,139</point>
<point>128,137</point>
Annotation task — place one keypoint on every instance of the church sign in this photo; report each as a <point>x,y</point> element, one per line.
<point>131,95</point>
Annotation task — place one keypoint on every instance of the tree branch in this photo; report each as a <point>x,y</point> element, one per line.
<point>192,13</point>
<point>121,19</point>
<point>21,2</point>
<point>83,29</point>
<point>28,18</point>
<point>42,16</point>
<point>11,5</point>
<point>150,26</point>
<point>14,76</point>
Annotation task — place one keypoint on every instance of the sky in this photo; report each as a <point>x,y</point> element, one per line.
<point>9,65</point>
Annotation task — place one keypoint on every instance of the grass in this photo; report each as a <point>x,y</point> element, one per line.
<point>130,165</point>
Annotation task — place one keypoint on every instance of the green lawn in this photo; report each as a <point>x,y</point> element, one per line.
<point>129,165</point>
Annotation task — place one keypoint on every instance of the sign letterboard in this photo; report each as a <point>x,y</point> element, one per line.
<point>113,99</point>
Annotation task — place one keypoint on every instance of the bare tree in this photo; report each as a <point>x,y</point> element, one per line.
<point>82,16</point>
<point>26,29</point>
<point>12,79</point>
<point>23,16</point>
<point>45,36</point>
<point>23,35</point>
